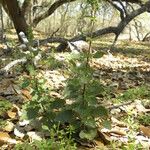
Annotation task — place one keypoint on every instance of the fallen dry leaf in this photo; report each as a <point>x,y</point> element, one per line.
<point>145,130</point>
<point>26,94</point>
<point>5,138</point>
<point>23,123</point>
<point>99,144</point>
<point>17,110</point>
<point>117,122</point>
<point>11,114</point>
<point>104,137</point>
<point>9,126</point>
<point>140,108</point>
<point>118,132</point>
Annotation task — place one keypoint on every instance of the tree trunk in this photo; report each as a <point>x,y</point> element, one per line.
<point>17,17</point>
<point>2,24</point>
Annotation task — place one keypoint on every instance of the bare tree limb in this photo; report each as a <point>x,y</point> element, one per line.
<point>7,68</point>
<point>116,30</point>
<point>112,29</point>
<point>124,8</point>
<point>121,11</point>
<point>146,36</point>
<point>50,40</point>
<point>50,11</point>
<point>131,1</point>
<point>2,24</point>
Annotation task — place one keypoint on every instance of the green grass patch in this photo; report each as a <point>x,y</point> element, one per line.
<point>4,106</point>
<point>135,93</point>
<point>144,119</point>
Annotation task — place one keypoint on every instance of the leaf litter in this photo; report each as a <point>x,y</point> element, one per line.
<point>116,71</point>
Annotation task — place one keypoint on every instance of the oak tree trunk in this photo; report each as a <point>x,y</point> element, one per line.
<point>17,17</point>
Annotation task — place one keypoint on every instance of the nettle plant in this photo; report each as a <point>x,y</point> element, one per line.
<point>82,90</point>
<point>79,106</point>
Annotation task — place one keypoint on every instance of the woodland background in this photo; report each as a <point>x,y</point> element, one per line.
<point>74,74</point>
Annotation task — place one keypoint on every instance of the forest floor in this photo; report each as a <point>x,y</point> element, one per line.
<point>126,70</point>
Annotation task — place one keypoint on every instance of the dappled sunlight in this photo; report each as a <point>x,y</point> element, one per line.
<point>74,75</point>
<point>121,62</point>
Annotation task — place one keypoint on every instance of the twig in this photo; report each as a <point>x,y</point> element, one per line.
<point>7,68</point>
<point>117,106</point>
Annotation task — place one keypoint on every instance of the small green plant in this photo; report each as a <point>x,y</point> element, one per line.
<point>30,34</point>
<point>50,62</point>
<point>132,146</point>
<point>41,104</point>
<point>4,106</point>
<point>81,90</point>
<point>132,94</point>
<point>144,119</point>
<point>2,123</point>
<point>60,139</point>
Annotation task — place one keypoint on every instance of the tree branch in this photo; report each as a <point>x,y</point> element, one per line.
<point>124,8</point>
<point>112,29</point>
<point>50,11</point>
<point>116,30</point>
<point>121,11</point>
<point>7,68</point>
<point>131,1</point>
<point>37,43</point>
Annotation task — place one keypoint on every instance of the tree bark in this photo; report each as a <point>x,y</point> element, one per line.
<point>2,24</point>
<point>50,11</point>
<point>17,17</point>
<point>26,7</point>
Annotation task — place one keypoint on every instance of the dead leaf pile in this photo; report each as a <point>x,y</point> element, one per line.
<point>121,131</point>
<point>121,62</point>
<point>118,72</point>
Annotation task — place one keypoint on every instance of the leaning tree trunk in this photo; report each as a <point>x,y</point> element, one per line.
<point>2,24</point>
<point>17,17</point>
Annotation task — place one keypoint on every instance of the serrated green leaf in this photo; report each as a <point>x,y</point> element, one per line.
<point>98,54</point>
<point>26,83</point>
<point>90,123</point>
<point>4,106</point>
<point>100,111</point>
<point>31,110</point>
<point>33,113</point>
<point>44,127</point>
<point>106,124</point>
<point>57,103</point>
<point>94,88</point>
<point>65,116</point>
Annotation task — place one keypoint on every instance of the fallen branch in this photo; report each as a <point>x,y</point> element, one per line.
<point>50,11</point>
<point>7,68</point>
<point>117,106</point>
<point>52,40</point>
